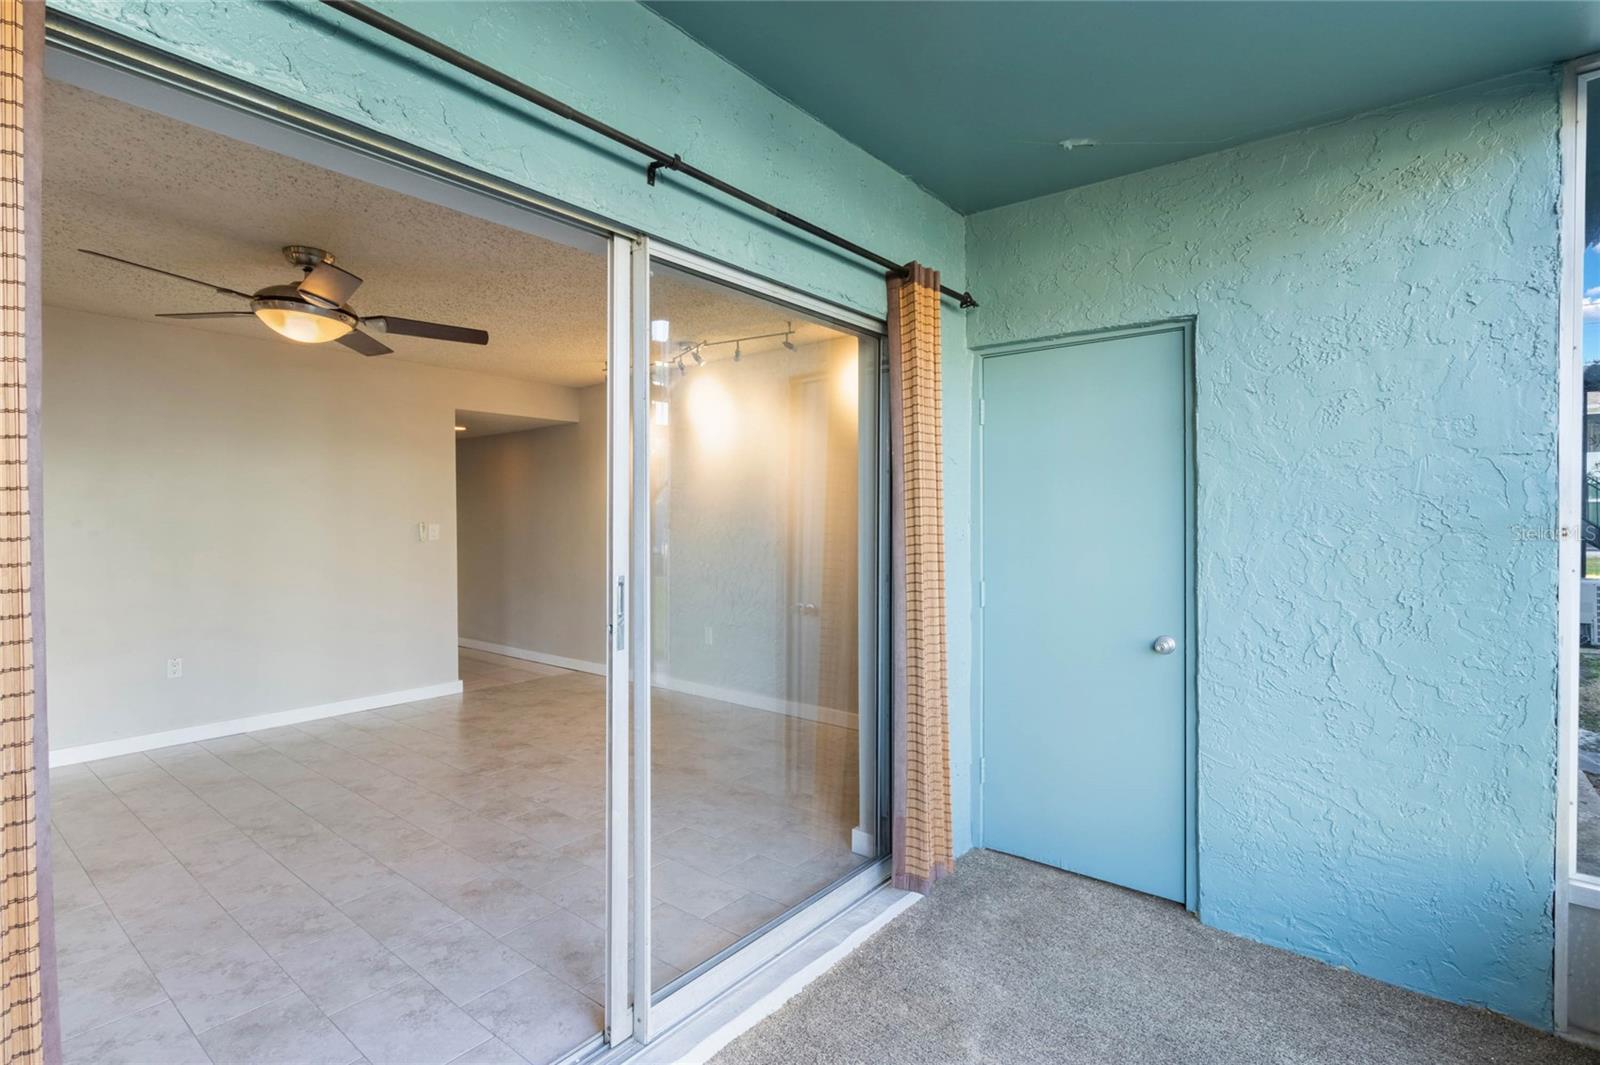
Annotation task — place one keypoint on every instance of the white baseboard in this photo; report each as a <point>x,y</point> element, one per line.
<point>863,842</point>
<point>825,714</point>
<point>90,752</point>
<point>522,653</point>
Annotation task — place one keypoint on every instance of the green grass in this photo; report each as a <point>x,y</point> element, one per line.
<point>1589,690</point>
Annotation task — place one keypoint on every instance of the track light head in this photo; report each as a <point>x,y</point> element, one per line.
<point>738,351</point>
<point>695,355</point>
<point>788,338</point>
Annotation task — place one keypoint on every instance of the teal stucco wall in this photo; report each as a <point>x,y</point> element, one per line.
<point>1376,315</point>
<point>625,65</point>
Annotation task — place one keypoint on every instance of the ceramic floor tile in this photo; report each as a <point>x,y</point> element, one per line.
<point>564,1020</point>
<point>497,903</point>
<point>539,868</point>
<point>97,987</point>
<point>291,920</point>
<point>774,879</point>
<point>564,945</point>
<point>701,850</point>
<point>492,1052</point>
<point>399,910</point>
<point>548,827</point>
<point>87,930</point>
<point>152,1035</point>
<point>172,935</point>
<point>248,880</point>
<point>490,807</point>
<point>71,887</point>
<point>746,913</point>
<point>437,866</point>
<point>225,984</point>
<point>341,969</point>
<point>683,940</point>
<point>582,893</point>
<point>411,1024</point>
<point>462,960</point>
<point>339,871</point>
<point>289,1029</point>
<point>691,890</point>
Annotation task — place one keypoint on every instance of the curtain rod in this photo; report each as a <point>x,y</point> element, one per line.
<point>659,160</point>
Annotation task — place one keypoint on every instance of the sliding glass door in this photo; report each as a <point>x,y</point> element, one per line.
<point>743,605</point>
<point>756,559</point>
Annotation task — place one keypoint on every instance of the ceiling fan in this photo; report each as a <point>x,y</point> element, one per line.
<point>316,309</point>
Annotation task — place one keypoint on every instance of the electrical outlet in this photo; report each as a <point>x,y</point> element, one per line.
<point>174,668</point>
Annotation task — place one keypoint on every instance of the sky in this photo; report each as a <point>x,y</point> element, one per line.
<point>1591,304</point>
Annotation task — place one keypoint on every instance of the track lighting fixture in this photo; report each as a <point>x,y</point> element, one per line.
<point>694,353</point>
<point>738,351</point>
<point>788,338</point>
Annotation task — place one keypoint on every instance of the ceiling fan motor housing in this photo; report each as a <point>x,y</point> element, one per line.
<point>305,256</point>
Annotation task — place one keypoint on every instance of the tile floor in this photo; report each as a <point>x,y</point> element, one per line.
<point>421,883</point>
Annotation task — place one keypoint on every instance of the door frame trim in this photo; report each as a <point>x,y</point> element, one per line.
<point>1572,888</point>
<point>1191,793</point>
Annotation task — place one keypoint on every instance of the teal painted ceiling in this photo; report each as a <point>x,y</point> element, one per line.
<point>972,100</point>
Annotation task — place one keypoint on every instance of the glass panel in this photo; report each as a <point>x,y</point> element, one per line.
<point>1583,967</point>
<point>338,528</point>
<point>763,495</point>
<point>1588,777</point>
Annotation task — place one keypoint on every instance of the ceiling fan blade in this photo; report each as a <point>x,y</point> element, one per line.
<point>210,314</point>
<point>356,340</point>
<point>411,327</point>
<point>329,285</point>
<point>168,273</point>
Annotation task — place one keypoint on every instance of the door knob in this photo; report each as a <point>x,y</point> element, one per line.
<point>1164,645</point>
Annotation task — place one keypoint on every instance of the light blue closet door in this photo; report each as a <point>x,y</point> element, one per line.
<point>1084,551</point>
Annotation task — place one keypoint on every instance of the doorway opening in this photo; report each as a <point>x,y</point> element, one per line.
<point>284,824</point>
<point>383,791</point>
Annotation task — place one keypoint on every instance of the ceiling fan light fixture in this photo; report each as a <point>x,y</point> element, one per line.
<point>302,322</point>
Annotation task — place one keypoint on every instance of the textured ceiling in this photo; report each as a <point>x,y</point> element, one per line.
<point>142,186</point>
<point>145,187</point>
<point>971,99</point>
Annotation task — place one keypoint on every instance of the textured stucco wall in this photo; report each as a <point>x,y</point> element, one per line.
<point>1376,306</point>
<point>627,66</point>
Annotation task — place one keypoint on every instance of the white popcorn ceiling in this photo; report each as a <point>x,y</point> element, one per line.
<point>146,187</point>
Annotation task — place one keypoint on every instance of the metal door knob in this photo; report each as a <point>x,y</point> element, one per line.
<point>1164,645</point>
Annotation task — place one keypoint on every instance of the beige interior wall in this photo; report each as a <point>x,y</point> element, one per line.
<point>250,506</point>
<point>532,520</point>
<point>726,473</point>
<point>531,510</point>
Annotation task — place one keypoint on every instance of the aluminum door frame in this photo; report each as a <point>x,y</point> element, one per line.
<point>655,1013</point>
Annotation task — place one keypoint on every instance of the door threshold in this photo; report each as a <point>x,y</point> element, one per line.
<point>722,1020</point>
